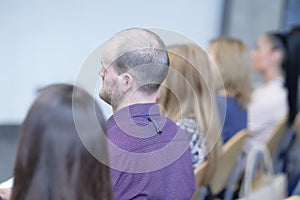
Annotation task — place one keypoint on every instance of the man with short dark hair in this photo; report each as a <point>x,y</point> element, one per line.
<point>149,154</point>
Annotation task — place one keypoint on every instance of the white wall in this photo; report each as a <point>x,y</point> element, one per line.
<point>43,42</point>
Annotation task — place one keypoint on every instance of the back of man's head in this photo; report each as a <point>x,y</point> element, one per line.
<point>141,53</point>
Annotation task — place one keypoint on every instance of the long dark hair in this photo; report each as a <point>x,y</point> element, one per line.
<point>292,71</point>
<point>52,162</point>
<point>289,45</point>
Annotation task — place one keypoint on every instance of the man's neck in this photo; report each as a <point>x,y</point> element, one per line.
<point>135,98</point>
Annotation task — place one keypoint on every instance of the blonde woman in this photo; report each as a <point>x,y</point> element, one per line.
<point>187,97</point>
<point>232,60</point>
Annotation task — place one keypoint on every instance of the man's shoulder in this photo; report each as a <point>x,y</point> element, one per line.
<point>161,129</point>
<point>114,124</point>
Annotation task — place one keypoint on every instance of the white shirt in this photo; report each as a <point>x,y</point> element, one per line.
<point>267,108</point>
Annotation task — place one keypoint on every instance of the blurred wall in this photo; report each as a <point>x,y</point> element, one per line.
<point>248,20</point>
<point>44,42</point>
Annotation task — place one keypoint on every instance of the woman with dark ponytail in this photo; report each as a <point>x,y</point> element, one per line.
<point>292,84</point>
<point>268,105</point>
<point>292,72</point>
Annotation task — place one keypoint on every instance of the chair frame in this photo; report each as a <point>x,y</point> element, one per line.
<point>275,139</point>
<point>227,161</point>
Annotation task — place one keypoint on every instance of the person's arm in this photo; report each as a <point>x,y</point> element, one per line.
<point>6,189</point>
<point>266,109</point>
<point>258,116</point>
<point>261,109</point>
<point>5,193</point>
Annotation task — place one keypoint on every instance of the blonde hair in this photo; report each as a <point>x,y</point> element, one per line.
<point>188,91</point>
<point>233,60</point>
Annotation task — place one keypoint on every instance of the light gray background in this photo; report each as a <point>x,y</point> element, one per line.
<point>43,42</point>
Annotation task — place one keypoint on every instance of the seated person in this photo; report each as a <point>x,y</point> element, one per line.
<point>268,104</point>
<point>187,97</point>
<point>232,60</point>
<point>149,154</point>
<point>53,159</point>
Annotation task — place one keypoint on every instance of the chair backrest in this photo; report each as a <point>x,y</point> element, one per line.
<point>293,198</point>
<point>296,127</point>
<point>199,173</point>
<point>231,150</point>
<point>278,132</point>
<point>200,181</point>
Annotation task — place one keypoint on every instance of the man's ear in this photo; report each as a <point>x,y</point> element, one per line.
<point>126,82</point>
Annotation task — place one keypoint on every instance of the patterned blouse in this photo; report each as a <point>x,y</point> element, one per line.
<point>197,140</point>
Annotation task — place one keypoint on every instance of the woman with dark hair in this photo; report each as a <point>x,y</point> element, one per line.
<point>268,105</point>
<point>292,85</point>
<point>292,72</point>
<point>53,157</point>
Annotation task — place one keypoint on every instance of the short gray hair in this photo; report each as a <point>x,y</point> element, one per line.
<point>143,54</point>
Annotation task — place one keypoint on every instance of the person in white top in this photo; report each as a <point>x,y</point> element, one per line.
<point>268,104</point>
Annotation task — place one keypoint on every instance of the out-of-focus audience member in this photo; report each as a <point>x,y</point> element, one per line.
<point>233,61</point>
<point>292,67</point>
<point>292,72</point>
<point>187,97</point>
<point>52,162</point>
<point>269,101</point>
<point>149,155</point>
